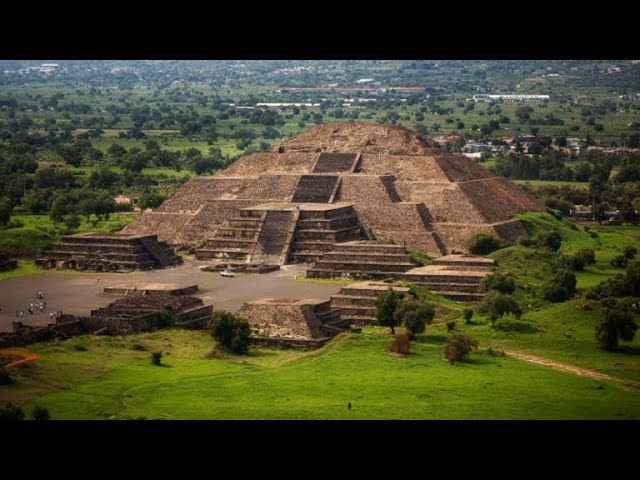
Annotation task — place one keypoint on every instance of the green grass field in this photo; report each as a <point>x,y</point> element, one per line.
<point>112,380</point>
<point>549,183</point>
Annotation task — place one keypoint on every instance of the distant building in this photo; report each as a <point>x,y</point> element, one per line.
<point>511,98</point>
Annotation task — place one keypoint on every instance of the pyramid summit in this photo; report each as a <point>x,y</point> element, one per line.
<point>334,183</point>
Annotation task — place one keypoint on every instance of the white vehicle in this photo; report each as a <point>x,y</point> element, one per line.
<point>226,273</point>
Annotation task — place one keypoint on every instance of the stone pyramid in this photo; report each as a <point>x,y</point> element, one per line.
<point>334,183</point>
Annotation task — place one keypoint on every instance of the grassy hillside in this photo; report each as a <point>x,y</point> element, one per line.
<point>113,380</point>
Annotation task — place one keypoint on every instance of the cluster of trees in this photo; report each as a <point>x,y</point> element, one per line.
<point>394,309</point>
<point>233,333</point>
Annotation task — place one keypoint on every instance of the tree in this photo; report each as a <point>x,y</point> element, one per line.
<point>616,322</point>
<point>386,305</point>
<point>559,288</point>
<point>415,315</point>
<point>11,412</point>
<point>458,347</point>
<point>5,211</point>
<point>72,222</point>
<point>549,239</point>
<point>40,413</point>
<point>483,244</point>
<point>151,200</point>
<point>499,282</point>
<point>232,332</point>
<point>468,315</point>
<point>498,304</point>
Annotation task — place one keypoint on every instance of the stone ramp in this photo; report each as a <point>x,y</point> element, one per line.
<point>331,162</point>
<point>315,189</point>
<point>274,236</point>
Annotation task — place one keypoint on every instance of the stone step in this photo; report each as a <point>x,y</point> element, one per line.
<point>224,243</point>
<point>305,257</point>
<point>373,249</point>
<point>459,287</point>
<point>341,300</point>
<point>328,223</point>
<point>337,235</point>
<point>359,319</point>
<point>230,253</point>
<point>362,266</point>
<point>359,310</point>
<point>324,273</point>
<point>334,256</point>
<point>438,279</point>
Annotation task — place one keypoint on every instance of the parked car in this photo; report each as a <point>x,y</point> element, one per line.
<point>226,273</point>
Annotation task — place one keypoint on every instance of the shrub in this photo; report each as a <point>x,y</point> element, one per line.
<point>40,413</point>
<point>525,241</point>
<point>548,239</point>
<point>497,304</point>
<point>167,317</point>
<point>630,252</point>
<point>80,348</point>
<point>415,315</point>
<point>386,305</point>
<point>420,258</point>
<point>468,315</point>
<point>593,234</point>
<point>401,344</point>
<point>139,347</point>
<point>619,261</point>
<point>10,412</point>
<point>458,347</point>
<point>616,322</point>
<point>483,244</point>
<point>5,378</point>
<point>451,326</point>
<point>233,333</point>
<point>559,288</point>
<point>498,282</point>
<point>156,358</point>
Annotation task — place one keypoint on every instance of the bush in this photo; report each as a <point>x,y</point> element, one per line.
<point>40,413</point>
<point>630,252</point>
<point>233,333</point>
<point>559,288</point>
<point>616,322</point>
<point>483,244</point>
<point>420,258</point>
<point>497,304</point>
<point>498,282</point>
<point>548,239</point>
<point>458,347</point>
<point>451,326</point>
<point>467,313</point>
<point>9,412</point>
<point>415,315</point>
<point>156,358</point>
<point>619,261</point>
<point>386,306</point>
<point>401,344</point>
<point>593,234</point>
<point>167,317</point>
<point>5,378</point>
<point>525,241</point>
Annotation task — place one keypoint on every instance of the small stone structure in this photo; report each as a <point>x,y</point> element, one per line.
<point>151,289</point>
<point>356,303</point>
<point>453,276</point>
<point>132,314</point>
<point>6,263</point>
<point>362,258</point>
<point>109,252</point>
<point>292,319</point>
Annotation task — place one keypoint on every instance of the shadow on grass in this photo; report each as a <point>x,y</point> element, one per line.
<point>518,326</point>
<point>629,350</point>
<point>439,339</point>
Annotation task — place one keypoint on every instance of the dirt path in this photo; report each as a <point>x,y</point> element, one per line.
<point>564,367</point>
<point>24,355</point>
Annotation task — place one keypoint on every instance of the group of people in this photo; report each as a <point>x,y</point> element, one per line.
<point>39,306</point>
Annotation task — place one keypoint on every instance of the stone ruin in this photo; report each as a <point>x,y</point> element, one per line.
<point>290,322</point>
<point>338,183</point>
<point>6,263</point>
<point>109,252</point>
<point>133,314</point>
